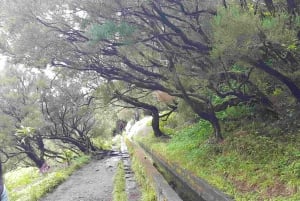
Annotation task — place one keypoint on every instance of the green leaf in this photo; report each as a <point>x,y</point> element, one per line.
<point>25,131</point>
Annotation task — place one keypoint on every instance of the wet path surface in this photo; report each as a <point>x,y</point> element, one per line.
<point>93,182</point>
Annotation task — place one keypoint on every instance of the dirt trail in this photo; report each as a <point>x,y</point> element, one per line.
<point>93,182</point>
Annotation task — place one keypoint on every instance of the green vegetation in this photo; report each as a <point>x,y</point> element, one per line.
<point>109,29</point>
<point>119,192</point>
<point>147,189</point>
<point>148,192</point>
<point>247,165</point>
<point>234,64</point>
<point>27,184</point>
<point>102,143</point>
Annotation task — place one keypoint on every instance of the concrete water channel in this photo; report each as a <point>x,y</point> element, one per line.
<point>186,185</point>
<point>170,179</point>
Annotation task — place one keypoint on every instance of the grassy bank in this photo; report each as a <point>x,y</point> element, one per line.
<point>146,187</point>
<point>119,192</point>
<point>246,165</point>
<point>27,184</point>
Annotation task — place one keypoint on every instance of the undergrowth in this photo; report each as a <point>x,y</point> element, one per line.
<point>147,189</point>
<point>119,192</point>
<point>246,165</point>
<point>28,184</point>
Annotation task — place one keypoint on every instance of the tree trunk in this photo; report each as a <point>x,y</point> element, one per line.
<point>217,129</point>
<point>155,122</point>
<point>80,145</point>
<point>90,145</point>
<point>31,154</point>
<point>211,117</point>
<point>200,110</point>
<point>37,161</point>
<point>151,108</point>
<point>224,3</point>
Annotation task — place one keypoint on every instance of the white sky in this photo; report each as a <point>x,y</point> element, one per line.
<point>2,62</point>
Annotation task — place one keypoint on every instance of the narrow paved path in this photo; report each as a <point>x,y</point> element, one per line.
<point>93,182</point>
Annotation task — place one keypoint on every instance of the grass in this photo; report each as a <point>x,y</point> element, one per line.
<point>119,193</point>
<point>27,184</point>
<point>102,143</point>
<point>246,166</point>
<point>146,187</point>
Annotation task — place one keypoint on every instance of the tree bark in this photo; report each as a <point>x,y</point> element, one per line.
<point>38,161</point>
<point>28,150</point>
<point>211,117</point>
<point>224,3</point>
<point>32,153</point>
<point>155,122</point>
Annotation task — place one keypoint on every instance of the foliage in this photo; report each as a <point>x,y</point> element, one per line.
<point>238,32</point>
<point>182,117</point>
<point>236,112</point>
<point>224,64</point>
<point>110,30</point>
<point>119,193</point>
<point>102,143</point>
<point>245,166</point>
<point>179,50</point>
<point>234,32</point>
<point>148,192</point>
<point>68,155</point>
<point>106,118</point>
<point>27,184</point>
<point>21,177</point>
<point>25,131</point>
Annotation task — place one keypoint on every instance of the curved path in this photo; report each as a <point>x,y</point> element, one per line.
<point>93,182</point>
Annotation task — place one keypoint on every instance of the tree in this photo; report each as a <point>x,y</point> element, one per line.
<point>38,111</point>
<point>267,43</point>
<point>69,112</point>
<point>20,105</point>
<point>139,74</point>
<point>139,104</point>
<point>161,45</point>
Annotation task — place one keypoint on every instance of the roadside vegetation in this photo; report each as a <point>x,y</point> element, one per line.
<point>77,71</point>
<point>146,187</point>
<point>28,184</point>
<point>247,165</point>
<point>119,193</point>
